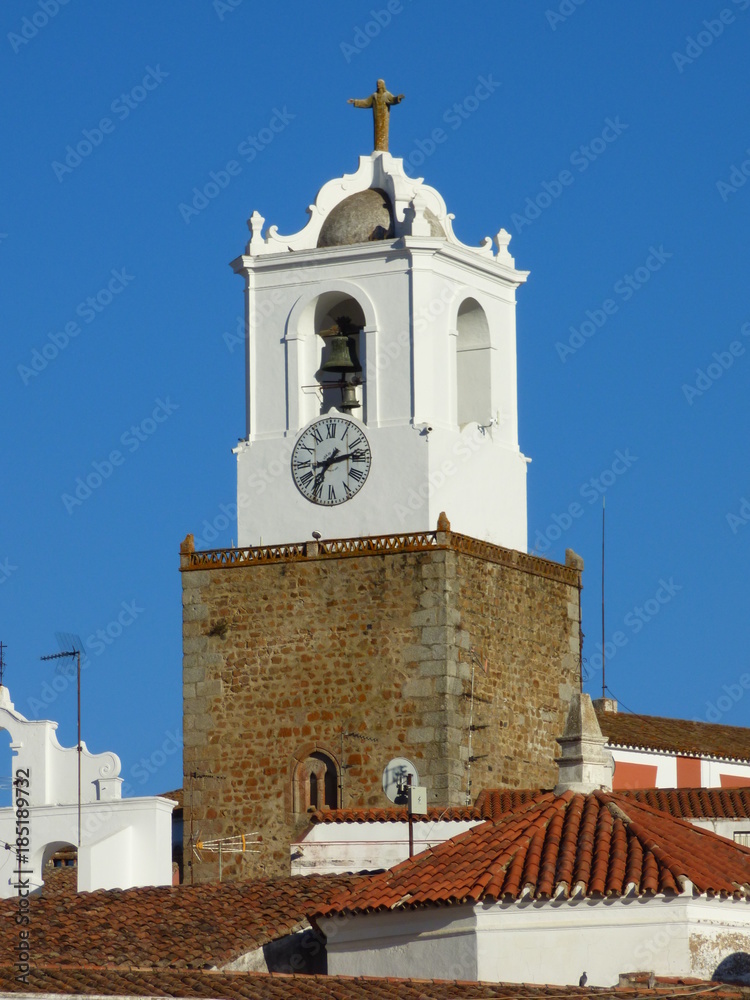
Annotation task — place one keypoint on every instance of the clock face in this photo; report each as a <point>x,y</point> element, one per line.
<point>331,461</point>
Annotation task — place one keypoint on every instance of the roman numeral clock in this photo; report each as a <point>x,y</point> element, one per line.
<point>380,370</point>
<point>330,461</point>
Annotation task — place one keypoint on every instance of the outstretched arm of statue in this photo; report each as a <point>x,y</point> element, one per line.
<point>364,102</point>
<point>395,98</point>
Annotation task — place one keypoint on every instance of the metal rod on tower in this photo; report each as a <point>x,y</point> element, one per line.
<point>79,748</point>
<point>3,647</point>
<point>59,656</point>
<point>604,666</point>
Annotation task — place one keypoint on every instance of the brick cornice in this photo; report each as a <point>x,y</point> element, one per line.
<point>343,548</point>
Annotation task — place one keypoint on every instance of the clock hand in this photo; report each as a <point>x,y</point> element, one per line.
<point>327,461</point>
<point>341,458</point>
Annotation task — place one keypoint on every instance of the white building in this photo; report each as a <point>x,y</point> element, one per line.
<point>120,842</point>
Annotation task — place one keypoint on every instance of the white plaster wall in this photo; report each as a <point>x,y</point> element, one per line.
<point>335,848</point>
<point>712,770</point>
<point>124,842</point>
<point>723,827</point>
<point>430,944</point>
<point>550,942</point>
<point>718,929</point>
<point>556,943</point>
<point>413,477</point>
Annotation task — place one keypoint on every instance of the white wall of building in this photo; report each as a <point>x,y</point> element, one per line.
<point>549,942</point>
<point>123,842</point>
<point>336,848</point>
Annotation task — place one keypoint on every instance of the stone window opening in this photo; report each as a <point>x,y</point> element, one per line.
<point>316,783</point>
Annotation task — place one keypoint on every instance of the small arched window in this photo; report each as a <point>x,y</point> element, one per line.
<point>316,783</point>
<point>473,374</point>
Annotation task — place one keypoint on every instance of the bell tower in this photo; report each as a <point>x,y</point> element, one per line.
<point>380,370</point>
<point>380,604</point>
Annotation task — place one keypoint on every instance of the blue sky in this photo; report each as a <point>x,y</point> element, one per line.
<point>610,142</point>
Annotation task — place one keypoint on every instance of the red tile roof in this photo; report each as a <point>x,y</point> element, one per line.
<point>682,736</point>
<point>490,804</point>
<point>696,803</point>
<point>602,844</point>
<point>264,986</point>
<point>178,927</point>
<point>394,814</point>
<point>684,803</point>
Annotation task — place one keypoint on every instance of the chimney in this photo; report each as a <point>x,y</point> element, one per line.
<point>605,705</point>
<point>583,765</point>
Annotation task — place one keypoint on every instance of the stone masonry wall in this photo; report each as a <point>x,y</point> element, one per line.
<point>282,657</point>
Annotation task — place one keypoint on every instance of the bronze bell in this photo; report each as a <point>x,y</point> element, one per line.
<point>349,399</point>
<point>343,354</point>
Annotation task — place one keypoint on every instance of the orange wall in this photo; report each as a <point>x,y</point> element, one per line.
<point>688,772</point>
<point>633,776</point>
<point>734,781</point>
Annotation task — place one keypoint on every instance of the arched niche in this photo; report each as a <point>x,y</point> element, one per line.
<point>6,769</point>
<point>473,367</point>
<point>307,352</point>
<point>59,853</point>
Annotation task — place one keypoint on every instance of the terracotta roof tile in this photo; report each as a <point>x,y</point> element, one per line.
<point>393,814</point>
<point>684,803</point>
<point>264,986</point>
<point>697,803</point>
<point>602,844</point>
<point>185,926</point>
<point>682,736</point>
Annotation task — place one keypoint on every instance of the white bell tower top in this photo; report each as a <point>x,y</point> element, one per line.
<point>435,399</point>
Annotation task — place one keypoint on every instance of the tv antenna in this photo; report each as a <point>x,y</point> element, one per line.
<point>228,845</point>
<point>59,656</point>
<point>3,647</point>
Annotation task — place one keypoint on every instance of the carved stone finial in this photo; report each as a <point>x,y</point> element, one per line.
<point>503,254</point>
<point>380,102</point>
<point>443,522</point>
<point>416,214</point>
<point>584,765</point>
<point>188,545</point>
<point>255,225</point>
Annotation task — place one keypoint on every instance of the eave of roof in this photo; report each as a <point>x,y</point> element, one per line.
<point>677,736</point>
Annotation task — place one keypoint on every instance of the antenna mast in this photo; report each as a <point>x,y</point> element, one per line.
<point>604,666</point>
<point>59,656</point>
<point>3,647</point>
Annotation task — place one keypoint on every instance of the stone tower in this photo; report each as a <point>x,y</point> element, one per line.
<point>354,623</point>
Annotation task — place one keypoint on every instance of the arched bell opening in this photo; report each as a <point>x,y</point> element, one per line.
<point>333,356</point>
<point>473,365</point>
